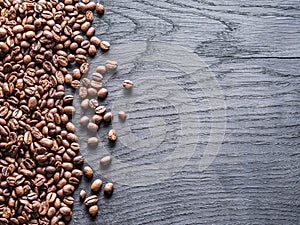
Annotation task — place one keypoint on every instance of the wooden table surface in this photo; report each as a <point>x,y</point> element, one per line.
<point>252,50</point>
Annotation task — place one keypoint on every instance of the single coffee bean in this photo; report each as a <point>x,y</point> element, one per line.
<point>85,104</point>
<point>105,46</point>
<point>106,160</point>
<point>69,110</point>
<point>93,103</point>
<point>127,84</point>
<point>101,70</point>
<point>88,172</point>
<point>102,93</point>
<point>108,117</point>
<point>68,189</point>
<point>78,160</point>
<point>93,210</point>
<point>96,185</point>
<point>112,135</point>
<point>92,50</point>
<point>76,74</point>
<point>93,141</point>
<point>91,200</point>
<point>108,189</point>
<point>122,115</point>
<point>75,84</point>
<point>95,41</point>
<point>84,121</point>
<point>84,68</point>
<point>97,76</point>
<point>100,110</point>
<point>99,9</point>
<point>97,119</point>
<point>86,82</point>
<point>92,92</point>
<point>92,127</point>
<point>70,127</point>
<point>111,65</point>
<point>82,194</point>
<point>95,84</point>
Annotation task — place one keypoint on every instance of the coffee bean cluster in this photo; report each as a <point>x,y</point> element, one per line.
<point>39,161</point>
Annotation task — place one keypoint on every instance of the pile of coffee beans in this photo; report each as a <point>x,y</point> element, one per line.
<point>39,161</point>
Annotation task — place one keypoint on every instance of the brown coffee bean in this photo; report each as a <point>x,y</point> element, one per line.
<point>108,189</point>
<point>102,93</point>
<point>75,84</point>
<point>108,117</point>
<point>97,76</point>
<point>92,92</point>
<point>91,200</point>
<point>111,65</point>
<point>93,210</point>
<point>78,160</point>
<point>84,121</point>
<point>92,50</point>
<point>68,189</point>
<point>93,103</point>
<point>95,41</point>
<point>88,172</point>
<point>97,119</point>
<point>101,70</point>
<point>96,185</point>
<point>112,135</point>
<point>86,82</point>
<point>92,127</point>
<point>84,68</point>
<point>69,110</point>
<point>105,46</point>
<point>76,74</point>
<point>83,92</point>
<point>32,103</point>
<point>106,160</point>
<point>100,110</point>
<point>68,79</point>
<point>127,84</point>
<point>70,127</point>
<point>122,115</point>
<point>99,8</point>
<point>82,194</point>
<point>93,141</point>
<point>85,104</point>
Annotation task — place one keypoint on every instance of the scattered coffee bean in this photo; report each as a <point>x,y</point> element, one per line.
<point>100,110</point>
<point>108,117</point>
<point>92,92</point>
<point>93,210</point>
<point>82,194</point>
<point>101,69</point>
<point>85,104</point>
<point>97,119</point>
<point>84,121</point>
<point>102,93</point>
<point>108,189</point>
<point>93,141</point>
<point>106,160</point>
<point>88,171</point>
<point>127,84</point>
<point>112,135</point>
<point>93,103</point>
<point>111,65</point>
<point>91,200</point>
<point>105,46</point>
<point>122,115</point>
<point>92,127</point>
<point>100,8</point>
<point>96,185</point>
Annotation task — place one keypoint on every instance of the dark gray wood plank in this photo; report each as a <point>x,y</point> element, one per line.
<point>253,49</point>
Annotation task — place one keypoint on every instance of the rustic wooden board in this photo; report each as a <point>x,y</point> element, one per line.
<point>253,49</point>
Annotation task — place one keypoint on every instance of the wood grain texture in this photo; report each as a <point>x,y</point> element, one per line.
<point>253,48</point>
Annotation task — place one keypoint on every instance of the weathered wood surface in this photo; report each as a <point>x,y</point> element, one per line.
<point>253,48</point>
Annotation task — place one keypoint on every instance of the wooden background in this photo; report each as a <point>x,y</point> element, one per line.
<point>253,48</point>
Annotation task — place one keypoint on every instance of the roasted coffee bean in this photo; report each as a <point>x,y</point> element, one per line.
<point>70,127</point>
<point>97,76</point>
<point>75,84</point>
<point>108,117</point>
<point>82,194</point>
<point>84,121</point>
<point>93,141</point>
<point>96,185</point>
<point>78,160</point>
<point>127,84</point>
<point>102,93</point>
<point>85,104</point>
<point>84,68</point>
<point>111,65</point>
<point>95,84</point>
<point>95,41</point>
<point>122,115</point>
<point>112,135</point>
<point>91,200</point>
<point>108,189</point>
<point>88,172</point>
<point>92,127</point>
<point>93,103</point>
<point>92,92</point>
<point>92,50</point>
<point>106,160</point>
<point>100,110</point>
<point>83,92</point>
<point>99,8</point>
<point>97,119</point>
<point>93,210</point>
<point>86,82</point>
<point>105,46</point>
